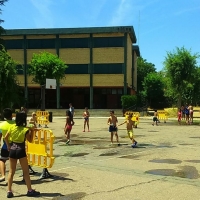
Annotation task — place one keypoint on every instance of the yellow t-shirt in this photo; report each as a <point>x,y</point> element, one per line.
<point>4,127</point>
<point>17,133</point>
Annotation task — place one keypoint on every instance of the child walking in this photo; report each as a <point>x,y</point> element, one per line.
<point>112,122</point>
<point>68,126</point>
<point>129,126</point>
<point>86,116</point>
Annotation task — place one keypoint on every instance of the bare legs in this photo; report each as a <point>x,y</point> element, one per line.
<point>86,122</point>
<point>2,169</point>
<point>116,135</point>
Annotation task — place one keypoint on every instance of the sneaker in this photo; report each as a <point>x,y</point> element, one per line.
<point>68,141</point>
<point>10,195</point>
<point>135,143</point>
<point>32,193</point>
<point>83,130</point>
<point>118,144</point>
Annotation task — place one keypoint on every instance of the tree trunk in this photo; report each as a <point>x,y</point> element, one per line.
<point>179,101</point>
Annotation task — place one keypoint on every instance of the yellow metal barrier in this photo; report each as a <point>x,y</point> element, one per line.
<point>42,117</point>
<point>40,151</point>
<point>135,117</point>
<point>162,115</point>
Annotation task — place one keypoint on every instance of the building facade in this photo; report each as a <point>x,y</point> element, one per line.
<point>102,64</point>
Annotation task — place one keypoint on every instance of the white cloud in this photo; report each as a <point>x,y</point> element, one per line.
<point>122,13</point>
<point>45,18</point>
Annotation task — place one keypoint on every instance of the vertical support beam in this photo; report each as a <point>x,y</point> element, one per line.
<point>25,72</point>
<point>58,81</point>
<point>91,71</point>
<point>125,64</point>
<point>43,97</point>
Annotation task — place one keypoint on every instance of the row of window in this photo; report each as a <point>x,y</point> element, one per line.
<point>84,69</point>
<point>65,43</point>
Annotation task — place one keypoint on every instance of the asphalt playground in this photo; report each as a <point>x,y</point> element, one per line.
<point>165,165</point>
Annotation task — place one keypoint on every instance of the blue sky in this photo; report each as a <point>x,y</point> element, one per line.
<point>160,25</point>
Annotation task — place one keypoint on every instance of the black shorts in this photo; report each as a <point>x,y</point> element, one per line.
<point>4,154</point>
<point>112,129</point>
<point>155,119</point>
<point>17,154</point>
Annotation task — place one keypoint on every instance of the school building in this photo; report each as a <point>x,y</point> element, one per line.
<point>102,64</point>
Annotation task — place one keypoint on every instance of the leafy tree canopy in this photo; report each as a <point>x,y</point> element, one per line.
<point>180,66</point>
<point>46,65</point>
<point>8,81</point>
<point>143,68</point>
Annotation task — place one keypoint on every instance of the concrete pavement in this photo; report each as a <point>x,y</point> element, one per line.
<point>164,166</point>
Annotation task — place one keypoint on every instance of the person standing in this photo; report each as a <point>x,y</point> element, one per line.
<point>155,118</point>
<point>179,115</point>
<point>112,122</point>
<point>86,116</point>
<point>18,134</point>
<point>71,109</point>
<point>7,113</point>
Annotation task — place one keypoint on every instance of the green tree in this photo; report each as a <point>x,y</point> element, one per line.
<point>128,101</point>
<point>45,65</point>
<point>179,67</point>
<point>8,82</point>
<point>154,90</point>
<point>143,68</point>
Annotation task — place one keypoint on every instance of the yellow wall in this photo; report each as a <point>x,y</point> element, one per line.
<point>20,79</point>
<point>75,56</point>
<point>135,71</point>
<point>75,36</point>
<point>17,55</point>
<point>108,80</point>
<point>129,61</point>
<point>30,52</point>
<point>14,37</point>
<point>76,80</point>
<point>40,36</point>
<point>108,55</point>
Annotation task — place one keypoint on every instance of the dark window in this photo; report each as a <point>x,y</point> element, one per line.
<point>13,44</point>
<point>20,69</point>
<point>108,68</point>
<point>74,43</point>
<point>41,44</point>
<point>108,42</point>
<point>77,69</point>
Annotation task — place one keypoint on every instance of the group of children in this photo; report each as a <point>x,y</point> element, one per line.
<point>112,122</point>
<point>185,113</point>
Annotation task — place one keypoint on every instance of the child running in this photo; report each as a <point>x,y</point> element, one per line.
<point>129,126</point>
<point>68,126</point>
<point>112,122</point>
<point>86,116</point>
